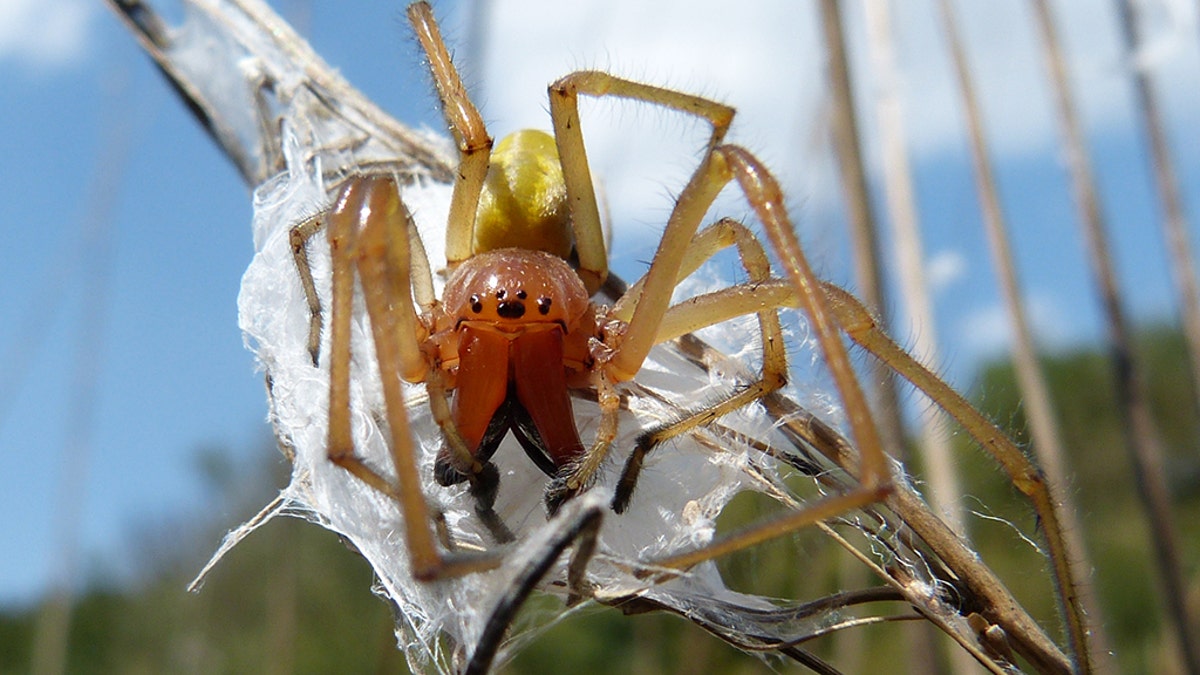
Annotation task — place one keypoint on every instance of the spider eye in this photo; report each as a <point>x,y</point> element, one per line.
<point>511,310</point>
<point>476,304</point>
<point>544,305</point>
<point>521,294</point>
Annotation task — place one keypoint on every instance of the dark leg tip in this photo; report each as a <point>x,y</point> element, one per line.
<point>621,498</point>
<point>485,485</point>
<point>445,474</point>
<point>557,493</point>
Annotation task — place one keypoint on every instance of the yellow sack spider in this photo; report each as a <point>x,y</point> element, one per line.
<point>515,330</point>
<point>518,341</point>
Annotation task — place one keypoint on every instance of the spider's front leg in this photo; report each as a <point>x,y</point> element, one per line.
<point>564,112</point>
<point>652,321</point>
<point>830,310</point>
<point>721,164</point>
<point>589,240</point>
<point>697,313</point>
<point>731,163</point>
<point>368,230</point>
<point>467,127</point>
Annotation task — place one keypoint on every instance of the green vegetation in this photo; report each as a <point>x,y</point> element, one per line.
<point>1114,523</point>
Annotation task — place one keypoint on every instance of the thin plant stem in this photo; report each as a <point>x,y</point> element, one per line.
<point>1174,219</point>
<point>1030,377</point>
<point>1050,450</point>
<point>1143,437</point>
<point>863,230</point>
<point>945,490</point>
<point>51,639</point>
<point>864,238</point>
<point>910,257</point>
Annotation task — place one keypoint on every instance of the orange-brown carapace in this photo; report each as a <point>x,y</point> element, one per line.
<point>513,332</point>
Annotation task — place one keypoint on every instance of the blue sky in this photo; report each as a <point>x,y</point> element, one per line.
<point>170,374</point>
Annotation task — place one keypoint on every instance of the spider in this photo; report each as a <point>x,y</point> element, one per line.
<point>516,330</point>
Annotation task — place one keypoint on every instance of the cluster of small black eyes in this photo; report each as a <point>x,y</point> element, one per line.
<point>504,310</point>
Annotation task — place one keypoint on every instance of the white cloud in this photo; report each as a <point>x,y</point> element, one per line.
<point>1169,30</point>
<point>944,269</point>
<point>44,33</point>
<point>987,332</point>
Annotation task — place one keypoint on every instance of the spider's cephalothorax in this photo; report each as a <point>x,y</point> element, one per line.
<point>512,334</point>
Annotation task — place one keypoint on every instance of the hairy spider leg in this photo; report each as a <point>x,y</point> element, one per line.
<point>564,113</point>
<point>367,231</point>
<point>467,127</point>
<point>720,165</point>
<point>680,319</point>
<point>731,163</point>
<point>298,237</point>
<point>861,327</point>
